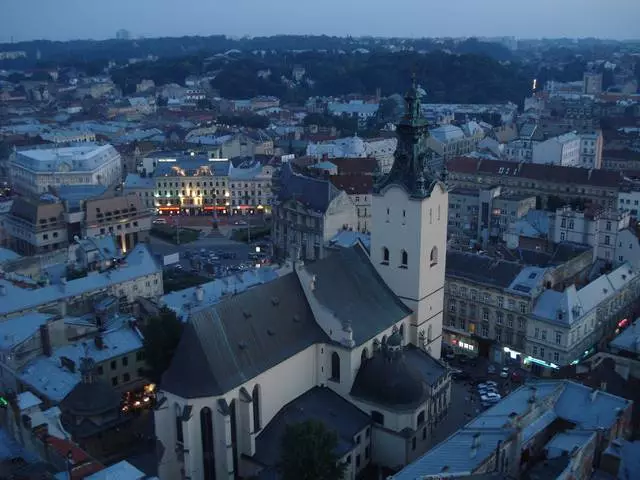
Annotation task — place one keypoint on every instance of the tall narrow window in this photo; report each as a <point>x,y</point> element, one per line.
<point>364,355</point>
<point>255,403</point>
<point>429,333</point>
<point>402,331</point>
<point>385,255</point>
<point>433,257</point>
<point>208,452</point>
<point>234,435</point>
<point>335,366</point>
<point>179,430</point>
<point>405,259</point>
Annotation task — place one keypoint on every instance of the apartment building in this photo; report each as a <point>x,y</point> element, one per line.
<point>597,186</point>
<point>36,226</point>
<point>487,302</point>
<point>137,275</point>
<point>359,189</point>
<point>563,150</point>
<point>124,217</point>
<point>192,185</point>
<point>250,188</point>
<point>595,226</point>
<point>484,213</point>
<point>547,429</point>
<point>591,145</point>
<point>33,171</point>
<point>450,141</point>
<point>307,213</point>
<point>142,187</point>
<point>565,326</point>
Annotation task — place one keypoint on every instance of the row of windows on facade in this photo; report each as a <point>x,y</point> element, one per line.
<point>539,353</point>
<point>170,193</point>
<point>190,184</point>
<point>504,336</point>
<point>404,257</point>
<point>404,214</point>
<point>486,314</point>
<point>486,298</point>
<point>118,227</point>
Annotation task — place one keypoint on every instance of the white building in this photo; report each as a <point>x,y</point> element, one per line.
<point>335,340</point>
<point>596,227</point>
<point>563,326</point>
<point>563,150</point>
<point>69,136</point>
<point>33,171</point>
<point>591,149</point>
<point>355,109</point>
<point>629,201</point>
<point>141,186</point>
<point>382,149</point>
<point>250,188</point>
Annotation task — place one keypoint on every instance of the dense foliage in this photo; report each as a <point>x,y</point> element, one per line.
<point>161,336</point>
<point>308,453</point>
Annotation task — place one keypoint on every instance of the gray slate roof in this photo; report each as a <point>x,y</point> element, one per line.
<point>225,345</point>
<point>481,269</point>
<point>320,404</point>
<point>315,193</point>
<point>349,285</point>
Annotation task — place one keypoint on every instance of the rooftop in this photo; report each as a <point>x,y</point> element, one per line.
<point>628,340</point>
<point>533,171</point>
<point>54,378</point>
<point>7,255</point>
<point>87,157</point>
<point>183,302</point>
<point>16,330</point>
<point>586,409</point>
<point>320,404</point>
<point>482,269</point>
<point>135,181</point>
<point>119,471</point>
<point>139,263</point>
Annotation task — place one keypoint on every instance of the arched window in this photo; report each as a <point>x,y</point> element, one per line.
<point>405,258</point>
<point>335,367</point>
<point>385,255</point>
<point>208,453</point>
<point>255,403</point>
<point>429,333</point>
<point>402,330</point>
<point>433,257</point>
<point>364,355</point>
<point>421,418</point>
<point>234,435</point>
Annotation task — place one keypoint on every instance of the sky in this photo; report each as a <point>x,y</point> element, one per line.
<point>22,20</point>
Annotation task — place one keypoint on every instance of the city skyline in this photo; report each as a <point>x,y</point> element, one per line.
<point>616,19</point>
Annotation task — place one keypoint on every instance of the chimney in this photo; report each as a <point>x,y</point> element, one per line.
<point>313,283</point>
<point>99,341</point>
<point>603,386</point>
<point>199,293</point>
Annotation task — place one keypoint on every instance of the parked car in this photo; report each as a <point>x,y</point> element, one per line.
<point>490,398</point>
<point>491,383</point>
<point>160,221</point>
<point>505,372</point>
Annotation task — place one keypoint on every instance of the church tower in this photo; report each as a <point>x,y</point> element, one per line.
<point>409,228</point>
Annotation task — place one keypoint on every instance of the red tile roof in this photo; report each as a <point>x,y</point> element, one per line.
<point>532,171</point>
<point>350,166</point>
<point>83,464</point>
<point>353,184</point>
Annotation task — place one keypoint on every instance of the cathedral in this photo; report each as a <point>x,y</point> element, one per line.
<point>352,340</point>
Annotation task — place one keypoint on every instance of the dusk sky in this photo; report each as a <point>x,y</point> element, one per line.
<point>100,19</point>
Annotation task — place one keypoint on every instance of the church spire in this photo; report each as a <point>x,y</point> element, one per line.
<point>409,166</point>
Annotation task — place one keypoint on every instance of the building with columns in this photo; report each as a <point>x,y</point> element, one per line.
<point>352,340</point>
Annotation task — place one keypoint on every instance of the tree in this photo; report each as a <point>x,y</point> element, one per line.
<point>308,453</point>
<point>161,336</point>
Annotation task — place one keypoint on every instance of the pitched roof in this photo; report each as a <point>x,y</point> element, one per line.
<point>534,171</point>
<point>319,403</point>
<point>481,269</point>
<point>363,165</point>
<point>315,193</point>
<point>353,184</point>
<point>224,346</point>
<point>349,286</point>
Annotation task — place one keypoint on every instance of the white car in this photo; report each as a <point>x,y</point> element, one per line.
<point>491,383</point>
<point>504,373</point>
<point>490,398</point>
